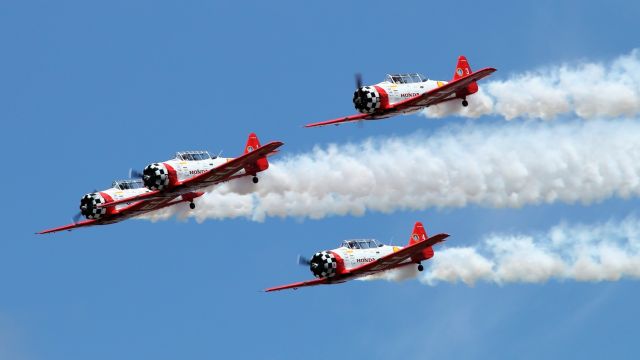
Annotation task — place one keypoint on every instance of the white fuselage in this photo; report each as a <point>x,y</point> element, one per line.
<point>388,94</point>
<point>401,92</point>
<point>186,169</point>
<point>117,194</point>
<point>355,257</point>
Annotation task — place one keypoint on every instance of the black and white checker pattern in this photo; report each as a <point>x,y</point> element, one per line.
<point>88,206</point>
<point>155,176</point>
<point>366,99</point>
<point>323,264</point>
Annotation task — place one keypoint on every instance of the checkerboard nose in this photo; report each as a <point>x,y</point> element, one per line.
<point>155,176</point>
<point>323,264</point>
<point>88,206</point>
<point>366,99</point>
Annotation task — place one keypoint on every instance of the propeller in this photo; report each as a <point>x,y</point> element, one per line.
<point>76,217</point>
<point>133,173</point>
<point>303,261</point>
<point>359,93</point>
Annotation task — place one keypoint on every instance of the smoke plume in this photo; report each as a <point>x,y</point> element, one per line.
<point>607,251</point>
<point>581,89</point>
<point>510,165</point>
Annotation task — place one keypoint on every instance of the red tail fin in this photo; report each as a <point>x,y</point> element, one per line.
<point>463,69</point>
<point>252,143</point>
<point>419,235</point>
<point>262,163</point>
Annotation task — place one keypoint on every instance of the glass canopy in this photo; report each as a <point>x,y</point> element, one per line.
<point>405,78</point>
<point>193,155</point>
<point>361,244</point>
<point>127,184</point>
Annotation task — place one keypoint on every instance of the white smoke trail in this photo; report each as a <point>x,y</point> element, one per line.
<point>600,252</point>
<point>582,89</point>
<point>510,165</point>
<point>398,274</point>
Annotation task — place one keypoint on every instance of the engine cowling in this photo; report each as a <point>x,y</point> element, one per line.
<point>89,208</point>
<point>367,99</point>
<point>324,264</point>
<point>155,176</point>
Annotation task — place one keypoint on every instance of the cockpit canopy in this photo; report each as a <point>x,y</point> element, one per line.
<point>360,244</point>
<point>127,184</point>
<point>193,155</point>
<point>405,78</point>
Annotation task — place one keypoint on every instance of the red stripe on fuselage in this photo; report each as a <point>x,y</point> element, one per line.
<point>108,199</point>
<point>340,269</point>
<point>173,175</point>
<point>384,97</point>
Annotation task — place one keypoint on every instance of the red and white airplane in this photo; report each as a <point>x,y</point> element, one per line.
<point>169,183</point>
<point>359,258</point>
<point>409,93</point>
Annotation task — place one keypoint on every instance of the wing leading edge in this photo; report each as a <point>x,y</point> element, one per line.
<point>299,284</point>
<point>341,120</point>
<point>69,227</point>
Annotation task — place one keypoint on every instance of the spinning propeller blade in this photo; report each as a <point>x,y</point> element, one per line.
<point>133,173</point>
<point>303,261</point>
<point>76,217</point>
<point>358,77</point>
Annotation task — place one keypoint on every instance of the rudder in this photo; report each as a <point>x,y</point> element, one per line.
<point>262,163</point>
<point>418,235</point>
<point>464,69</point>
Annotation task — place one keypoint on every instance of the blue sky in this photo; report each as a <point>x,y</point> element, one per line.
<point>91,89</point>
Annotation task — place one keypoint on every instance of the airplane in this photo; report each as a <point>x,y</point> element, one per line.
<point>168,183</point>
<point>409,93</point>
<point>358,258</point>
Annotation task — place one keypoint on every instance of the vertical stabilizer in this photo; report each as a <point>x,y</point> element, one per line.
<point>419,235</point>
<point>464,69</point>
<point>262,163</point>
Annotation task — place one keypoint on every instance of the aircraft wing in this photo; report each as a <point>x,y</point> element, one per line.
<point>134,209</point>
<point>69,227</point>
<point>145,196</point>
<point>214,176</point>
<point>392,260</point>
<point>441,93</point>
<point>384,263</point>
<point>225,171</point>
<point>341,120</point>
<point>296,285</point>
